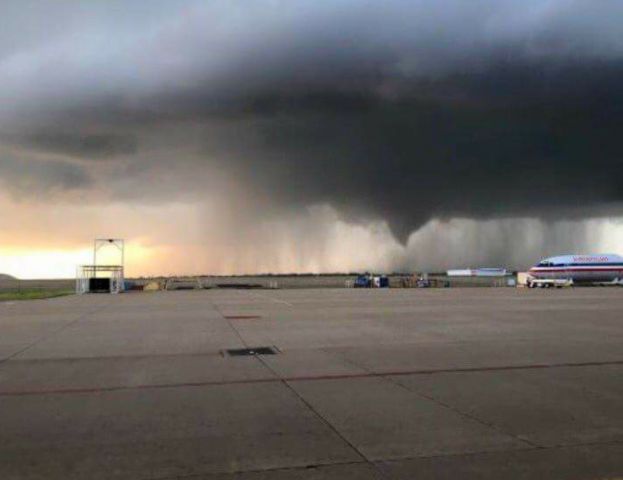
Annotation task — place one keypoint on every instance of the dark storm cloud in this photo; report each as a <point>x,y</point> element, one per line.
<point>31,179</point>
<point>402,111</point>
<point>96,146</point>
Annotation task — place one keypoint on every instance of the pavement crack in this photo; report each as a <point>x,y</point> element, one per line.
<point>469,416</point>
<point>55,332</point>
<point>318,466</point>
<point>326,422</point>
<point>465,414</point>
<point>231,325</point>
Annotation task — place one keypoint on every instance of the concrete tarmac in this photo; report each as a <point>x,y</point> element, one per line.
<point>366,384</point>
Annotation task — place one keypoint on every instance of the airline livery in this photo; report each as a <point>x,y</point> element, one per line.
<point>600,268</point>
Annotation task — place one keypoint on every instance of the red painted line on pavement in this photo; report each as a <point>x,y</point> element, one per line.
<point>302,378</point>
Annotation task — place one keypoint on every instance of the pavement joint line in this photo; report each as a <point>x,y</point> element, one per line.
<point>386,461</point>
<point>275,300</point>
<point>318,415</point>
<point>328,377</point>
<point>489,425</point>
<point>500,452</point>
<point>469,416</point>
<point>309,406</point>
<point>244,343</point>
<point>266,470</point>
<point>55,332</point>
<point>212,353</point>
<point>217,353</point>
<point>231,325</point>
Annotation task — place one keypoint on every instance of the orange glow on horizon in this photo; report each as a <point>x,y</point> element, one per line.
<point>62,263</point>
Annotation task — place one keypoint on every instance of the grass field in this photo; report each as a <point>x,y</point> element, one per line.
<point>33,294</point>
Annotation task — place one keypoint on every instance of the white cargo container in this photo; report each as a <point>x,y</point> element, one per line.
<point>460,273</point>
<point>490,272</point>
<point>478,272</point>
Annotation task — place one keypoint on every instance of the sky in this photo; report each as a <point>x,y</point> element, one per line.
<point>255,136</point>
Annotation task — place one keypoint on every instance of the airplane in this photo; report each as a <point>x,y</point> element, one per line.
<point>598,268</point>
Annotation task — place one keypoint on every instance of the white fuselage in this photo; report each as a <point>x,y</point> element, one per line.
<point>580,268</point>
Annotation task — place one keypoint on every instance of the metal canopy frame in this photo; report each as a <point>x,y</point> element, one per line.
<point>102,242</point>
<point>84,273</point>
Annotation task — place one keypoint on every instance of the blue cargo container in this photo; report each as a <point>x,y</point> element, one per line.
<point>363,281</point>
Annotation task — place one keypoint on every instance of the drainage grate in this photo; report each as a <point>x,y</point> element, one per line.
<point>242,317</point>
<point>245,352</point>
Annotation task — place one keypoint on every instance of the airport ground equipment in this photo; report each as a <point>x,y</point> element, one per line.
<point>371,281</point>
<point>183,283</point>
<point>108,278</point>
<point>477,272</point>
<point>363,281</point>
<point>99,279</point>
